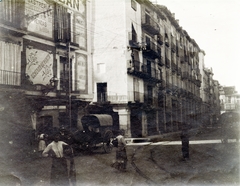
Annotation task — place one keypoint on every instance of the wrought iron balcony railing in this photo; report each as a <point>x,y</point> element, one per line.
<point>10,78</point>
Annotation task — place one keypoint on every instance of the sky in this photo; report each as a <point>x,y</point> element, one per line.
<point>215,26</point>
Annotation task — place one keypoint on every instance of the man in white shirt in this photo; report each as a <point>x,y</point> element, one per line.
<point>59,171</point>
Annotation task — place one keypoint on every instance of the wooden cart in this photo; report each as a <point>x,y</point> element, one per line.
<point>97,132</point>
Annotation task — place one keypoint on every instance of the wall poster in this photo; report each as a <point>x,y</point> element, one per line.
<point>81,72</point>
<point>43,23</point>
<point>39,66</point>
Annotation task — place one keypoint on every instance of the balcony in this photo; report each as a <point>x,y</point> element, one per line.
<point>135,67</point>
<point>143,71</point>
<point>150,25</point>
<point>117,98</point>
<point>182,59</point>
<point>173,47</point>
<point>167,62</point>
<point>12,19</point>
<point>10,78</point>
<point>160,39</point>
<point>207,89</point>
<point>177,51</point>
<point>133,44</point>
<point>185,75</point>
<point>192,54</point>
<point>163,85</point>
<point>193,78</point>
<point>199,77</point>
<point>151,74</point>
<point>152,51</point>
<point>150,101</point>
<point>198,70</point>
<point>135,96</point>
<point>166,40</point>
<point>65,85</point>
<point>161,61</point>
<point>179,71</point>
<point>102,97</point>
<point>187,59</point>
<point>173,66</point>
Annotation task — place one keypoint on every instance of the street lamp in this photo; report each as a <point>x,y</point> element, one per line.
<point>69,107</point>
<point>51,86</point>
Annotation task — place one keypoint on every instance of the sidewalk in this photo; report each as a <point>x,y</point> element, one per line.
<point>202,133</point>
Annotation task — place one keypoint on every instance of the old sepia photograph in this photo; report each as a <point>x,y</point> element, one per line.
<point>119,93</point>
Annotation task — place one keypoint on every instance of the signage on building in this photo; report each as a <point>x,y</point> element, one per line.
<point>39,17</point>
<point>81,71</point>
<point>76,5</point>
<point>77,8</point>
<point>39,66</point>
<point>80,27</point>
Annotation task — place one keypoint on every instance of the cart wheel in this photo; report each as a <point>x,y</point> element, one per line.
<point>107,147</point>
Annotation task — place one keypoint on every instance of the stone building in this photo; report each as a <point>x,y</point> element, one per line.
<point>146,66</point>
<point>229,99</point>
<point>45,69</point>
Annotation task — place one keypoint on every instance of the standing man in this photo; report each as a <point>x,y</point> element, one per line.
<point>59,171</point>
<point>185,143</point>
<point>121,154</point>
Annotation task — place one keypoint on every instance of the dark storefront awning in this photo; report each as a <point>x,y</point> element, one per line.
<point>97,120</point>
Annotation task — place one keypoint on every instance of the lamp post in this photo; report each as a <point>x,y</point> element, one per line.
<point>69,86</point>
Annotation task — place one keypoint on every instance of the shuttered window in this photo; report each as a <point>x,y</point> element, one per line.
<point>62,27</point>
<point>10,65</point>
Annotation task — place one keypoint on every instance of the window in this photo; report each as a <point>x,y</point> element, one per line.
<point>101,92</point>
<point>150,94</point>
<point>147,17</point>
<point>149,67</point>
<point>62,24</point>
<point>134,34</point>
<point>65,76</point>
<point>136,90</point>
<point>134,5</point>
<point>101,68</point>
<point>229,99</point>
<point>9,11</point>
<point>148,42</point>
<point>10,65</point>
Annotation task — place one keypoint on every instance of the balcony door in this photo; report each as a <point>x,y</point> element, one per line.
<point>101,92</point>
<point>65,74</point>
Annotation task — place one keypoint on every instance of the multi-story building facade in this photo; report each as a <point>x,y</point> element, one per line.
<point>216,107</point>
<point>45,68</point>
<point>146,66</point>
<point>210,95</point>
<point>229,99</point>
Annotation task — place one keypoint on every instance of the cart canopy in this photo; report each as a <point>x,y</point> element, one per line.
<point>97,120</point>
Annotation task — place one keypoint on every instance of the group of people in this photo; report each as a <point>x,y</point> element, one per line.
<point>63,171</point>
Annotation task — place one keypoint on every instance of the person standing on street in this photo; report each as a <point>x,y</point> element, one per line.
<point>121,154</point>
<point>59,170</point>
<point>42,142</point>
<point>185,144</point>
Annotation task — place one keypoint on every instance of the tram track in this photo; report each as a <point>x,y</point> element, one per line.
<point>141,173</point>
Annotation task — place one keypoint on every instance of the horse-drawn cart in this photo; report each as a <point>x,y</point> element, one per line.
<point>97,132</point>
<point>230,125</point>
